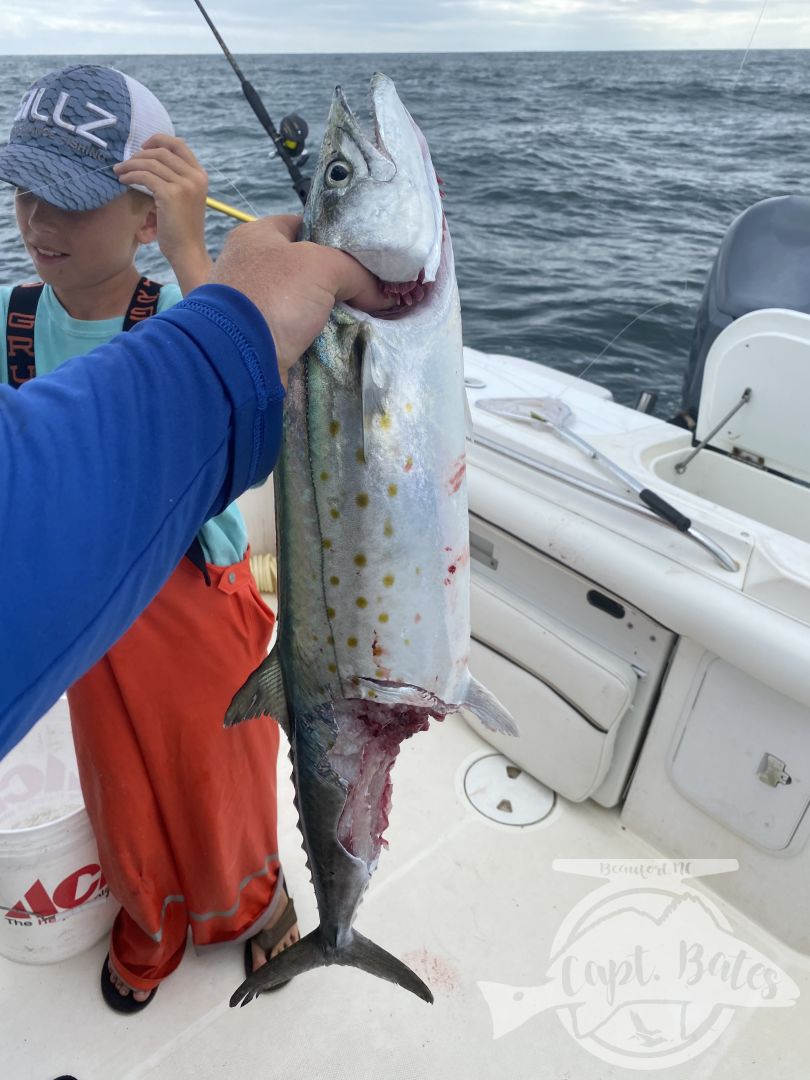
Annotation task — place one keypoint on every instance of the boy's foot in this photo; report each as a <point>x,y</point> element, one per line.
<point>118,994</point>
<point>277,936</point>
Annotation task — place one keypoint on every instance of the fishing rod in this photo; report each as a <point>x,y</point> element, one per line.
<point>231,211</point>
<point>289,143</point>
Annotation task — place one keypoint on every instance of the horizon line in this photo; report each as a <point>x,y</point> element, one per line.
<point>425,52</point>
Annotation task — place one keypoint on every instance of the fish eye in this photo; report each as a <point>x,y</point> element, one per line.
<point>338,173</point>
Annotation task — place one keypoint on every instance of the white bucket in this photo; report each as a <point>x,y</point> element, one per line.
<point>55,902</point>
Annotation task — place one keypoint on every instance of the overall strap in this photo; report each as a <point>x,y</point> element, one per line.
<point>22,310</point>
<point>144,303</point>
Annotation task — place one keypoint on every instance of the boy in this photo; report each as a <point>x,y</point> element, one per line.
<point>183,811</point>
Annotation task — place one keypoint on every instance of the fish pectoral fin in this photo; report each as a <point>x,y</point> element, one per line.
<point>262,695</point>
<point>373,391</point>
<point>469,425</point>
<point>481,703</point>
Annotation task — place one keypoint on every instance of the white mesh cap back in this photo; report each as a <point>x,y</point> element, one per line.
<point>148,117</point>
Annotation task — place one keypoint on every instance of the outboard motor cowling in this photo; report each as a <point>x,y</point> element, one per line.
<point>763,262</point>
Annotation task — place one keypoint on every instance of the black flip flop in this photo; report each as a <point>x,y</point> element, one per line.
<point>120,1003</point>
<point>269,938</point>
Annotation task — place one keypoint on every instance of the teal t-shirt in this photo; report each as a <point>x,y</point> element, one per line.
<point>58,336</point>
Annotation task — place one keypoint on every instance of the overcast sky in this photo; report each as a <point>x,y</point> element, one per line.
<point>249,26</point>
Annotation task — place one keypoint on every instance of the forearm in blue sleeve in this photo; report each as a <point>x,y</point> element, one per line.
<point>108,468</point>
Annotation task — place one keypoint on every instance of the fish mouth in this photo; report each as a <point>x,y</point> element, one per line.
<point>391,220</point>
<point>406,294</point>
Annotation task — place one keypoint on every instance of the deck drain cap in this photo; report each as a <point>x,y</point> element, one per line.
<point>503,792</point>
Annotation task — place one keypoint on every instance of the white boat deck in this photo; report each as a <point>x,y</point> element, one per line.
<point>459,898</point>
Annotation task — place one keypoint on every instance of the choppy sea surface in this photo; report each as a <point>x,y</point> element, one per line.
<point>586,192</point>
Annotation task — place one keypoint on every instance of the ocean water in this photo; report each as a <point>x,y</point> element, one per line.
<point>586,192</point>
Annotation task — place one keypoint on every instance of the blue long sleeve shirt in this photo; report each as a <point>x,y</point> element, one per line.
<point>108,467</point>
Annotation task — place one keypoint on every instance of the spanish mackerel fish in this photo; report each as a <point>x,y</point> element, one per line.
<point>372,530</point>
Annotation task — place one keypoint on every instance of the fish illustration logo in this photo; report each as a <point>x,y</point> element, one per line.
<point>645,972</point>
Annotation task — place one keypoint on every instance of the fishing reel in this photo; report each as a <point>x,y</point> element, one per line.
<point>293,131</point>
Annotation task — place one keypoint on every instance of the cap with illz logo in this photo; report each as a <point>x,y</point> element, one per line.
<point>72,126</point>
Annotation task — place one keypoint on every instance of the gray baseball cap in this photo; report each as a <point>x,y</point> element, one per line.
<point>72,126</point>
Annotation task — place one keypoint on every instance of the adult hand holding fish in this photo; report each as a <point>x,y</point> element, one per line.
<point>294,284</point>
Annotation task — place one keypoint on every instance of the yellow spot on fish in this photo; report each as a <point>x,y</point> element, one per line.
<point>360,455</point>
<point>419,569</point>
<point>361,602</point>
<point>332,668</point>
<point>383,617</point>
<point>380,673</point>
<point>388,580</point>
<point>351,642</point>
<point>406,641</point>
<point>334,427</point>
<point>372,693</point>
<point>392,490</point>
<point>333,580</point>
<point>388,529</point>
<point>408,407</point>
<point>326,544</point>
<point>330,613</point>
<point>334,513</point>
<point>385,422</point>
<point>362,499</point>
<point>360,560</point>
<point>324,476</point>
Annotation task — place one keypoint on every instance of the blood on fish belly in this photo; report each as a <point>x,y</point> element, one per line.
<point>458,471</point>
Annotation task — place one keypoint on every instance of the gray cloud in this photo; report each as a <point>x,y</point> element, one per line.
<point>100,26</point>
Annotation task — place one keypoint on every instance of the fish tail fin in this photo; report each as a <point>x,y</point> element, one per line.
<point>304,955</point>
<point>488,709</point>
<point>312,952</point>
<point>362,953</point>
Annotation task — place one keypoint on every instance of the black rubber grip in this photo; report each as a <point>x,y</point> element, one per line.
<point>663,509</point>
<point>257,105</point>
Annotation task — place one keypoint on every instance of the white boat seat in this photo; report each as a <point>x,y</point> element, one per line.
<point>567,693</point>
<point>768,351</point>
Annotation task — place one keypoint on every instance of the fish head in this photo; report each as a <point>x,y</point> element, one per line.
<point>375,195</point>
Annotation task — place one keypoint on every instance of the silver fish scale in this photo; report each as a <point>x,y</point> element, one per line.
<point>382,547</point>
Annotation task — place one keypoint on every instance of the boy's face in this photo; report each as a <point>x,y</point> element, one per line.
<point>74,249</point>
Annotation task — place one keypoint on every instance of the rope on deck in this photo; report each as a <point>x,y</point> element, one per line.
<point>265,571</point>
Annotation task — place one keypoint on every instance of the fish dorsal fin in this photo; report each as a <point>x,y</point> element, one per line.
<point>487,708</point>
<point>262,695</point>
